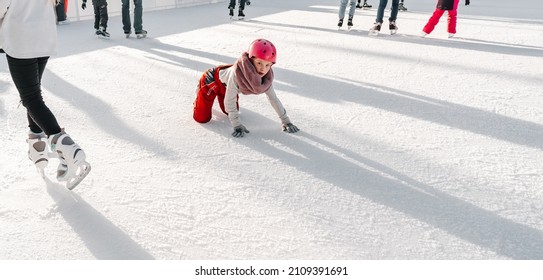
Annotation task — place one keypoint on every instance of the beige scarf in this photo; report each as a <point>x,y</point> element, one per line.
<point>248,80</point>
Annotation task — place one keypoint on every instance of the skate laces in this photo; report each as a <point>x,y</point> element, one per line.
<point>53,139</point>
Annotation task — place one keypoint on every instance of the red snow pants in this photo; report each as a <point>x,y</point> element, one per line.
<point>209,87</point>
<point>434,20</point>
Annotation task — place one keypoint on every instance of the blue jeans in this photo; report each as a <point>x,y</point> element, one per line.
<point>381,10</point>
<point>138,13</point>
<point>343,7</point>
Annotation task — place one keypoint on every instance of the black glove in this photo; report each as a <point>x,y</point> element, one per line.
<point>239,131</point>
<point>467,2</point>
<point>84,5</point>
<point>290,128</point>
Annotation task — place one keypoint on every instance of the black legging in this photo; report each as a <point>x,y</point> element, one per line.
<point>233,4</point>
<point>26,74</point>
<point>100,14</point>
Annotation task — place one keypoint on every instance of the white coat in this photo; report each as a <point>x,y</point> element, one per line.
<point>28,28</point>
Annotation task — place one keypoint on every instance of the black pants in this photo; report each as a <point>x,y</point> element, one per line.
<point>26,74</point>
<point>232,4</point>
<point>100,14</point>
<point>61,15</point>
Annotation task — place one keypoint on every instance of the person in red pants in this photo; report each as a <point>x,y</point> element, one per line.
<point>251,74</point>
<point>443,5</point>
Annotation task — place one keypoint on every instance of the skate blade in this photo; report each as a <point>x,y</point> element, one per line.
<point>373,33</point>
<point>41,171</point>
<point>392,32</point>
<point>139,36</point>
<point>41,164</point>
<point>72,180</point>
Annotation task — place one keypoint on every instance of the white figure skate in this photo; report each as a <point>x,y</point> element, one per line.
<point>73,167</point>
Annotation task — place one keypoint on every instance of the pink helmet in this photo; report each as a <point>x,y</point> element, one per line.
<point>263,49</point>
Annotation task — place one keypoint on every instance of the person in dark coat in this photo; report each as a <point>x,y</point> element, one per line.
<point>232,6</point>
<point>100,17</point>
<point>60,10</point>
<point>443,5</point>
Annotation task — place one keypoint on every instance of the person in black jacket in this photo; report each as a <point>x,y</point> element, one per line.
<point>443,5</point>
<point>60,10</point>
<point>100,17</point>
<point>232,6</point>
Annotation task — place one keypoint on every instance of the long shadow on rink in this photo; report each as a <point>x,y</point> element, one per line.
<point>385,186</point>
<point>394,100</point>
<point>104,118</point>
<point>78,37</point>
<point>449,114</point>
<point>104,240</point>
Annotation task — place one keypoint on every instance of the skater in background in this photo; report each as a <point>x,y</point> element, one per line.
<point>241,7</point>
<point>451,7</point>
<point>363,6</point>
<point>138,19</point>
<point>100,17</point>
<point>342,8</point>
<point>376,28</point>
<point>251,74</point>
<point>60,10</point>
<point>402,7</point>
<point>28,41</point>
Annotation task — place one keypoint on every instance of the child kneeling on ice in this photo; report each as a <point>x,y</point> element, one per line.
<point>250,74</point>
